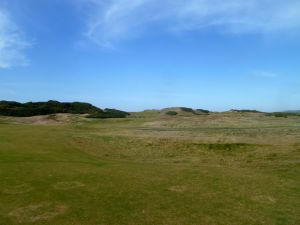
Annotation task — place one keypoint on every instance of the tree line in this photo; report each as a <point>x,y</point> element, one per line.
<point>11,108</point>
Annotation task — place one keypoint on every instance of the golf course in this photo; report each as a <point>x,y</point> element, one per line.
<point>152,167</point>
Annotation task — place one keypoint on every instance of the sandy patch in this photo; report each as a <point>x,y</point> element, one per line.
<point>264,199</point>
<point>38,212</point>
<point>179,188</point>
<point>52,119</point>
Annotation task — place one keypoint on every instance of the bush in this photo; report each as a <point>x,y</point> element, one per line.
<point>171,113</point>
<point>203,111</point>
<point>184,109</point>
<point>109,113</point>
<point>282,114</point>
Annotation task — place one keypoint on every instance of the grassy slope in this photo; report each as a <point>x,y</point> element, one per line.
<point>217,169</point>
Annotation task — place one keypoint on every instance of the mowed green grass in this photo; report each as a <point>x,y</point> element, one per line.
<point>129,172</point>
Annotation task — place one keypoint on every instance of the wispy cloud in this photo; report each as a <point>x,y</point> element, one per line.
<point>263,73</point>
<point>12,43</point>
<point>112,21</point>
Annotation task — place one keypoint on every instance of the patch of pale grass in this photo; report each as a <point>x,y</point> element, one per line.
<point>68,185</point>
<point>178,188</point>
<point>17,189</point>
<point>38,212</point>
<point>265,199</point>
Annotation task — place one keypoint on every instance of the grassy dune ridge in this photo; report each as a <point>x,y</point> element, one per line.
<point>150,168</point>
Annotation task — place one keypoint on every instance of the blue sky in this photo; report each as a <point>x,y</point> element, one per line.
<point>144,54</point>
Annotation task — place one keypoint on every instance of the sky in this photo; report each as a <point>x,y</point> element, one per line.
<point>145,54</point>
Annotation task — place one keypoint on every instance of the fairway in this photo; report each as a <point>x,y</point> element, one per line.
<point>226,168</point>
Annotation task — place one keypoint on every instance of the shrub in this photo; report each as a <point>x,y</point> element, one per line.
<point>184,109</point>
<point>109,113</point>
<point>203,111</point>
<point>171,113</point>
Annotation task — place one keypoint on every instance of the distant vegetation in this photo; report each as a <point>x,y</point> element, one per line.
<point>245,111</point>
<point>203,111</point>
<point>184,109</point>
<point>171,113</point>
<point>293,111</point>
<point>197,111</point>
<point>283,114</point>
<point>16,109</point>
<point>109,113</point>
<point>9,108</point>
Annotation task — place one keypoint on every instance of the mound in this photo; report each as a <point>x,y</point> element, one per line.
<point>52,119</point>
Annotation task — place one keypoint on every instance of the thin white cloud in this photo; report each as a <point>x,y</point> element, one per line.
<point>12,43</point>
<point>263,73</point>
<point>112,21</point>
